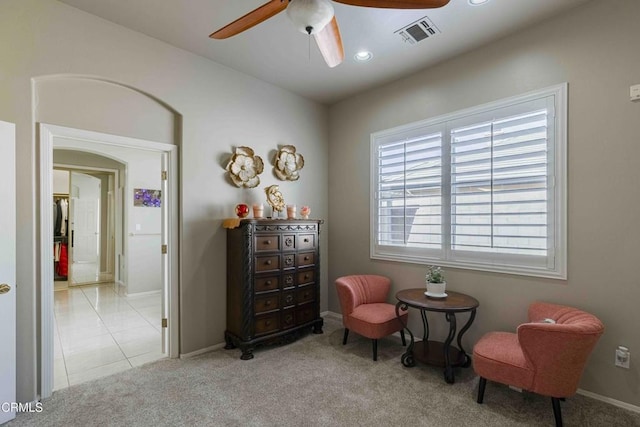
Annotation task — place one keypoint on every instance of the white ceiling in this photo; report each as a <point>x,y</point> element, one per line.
<point>275,52</point>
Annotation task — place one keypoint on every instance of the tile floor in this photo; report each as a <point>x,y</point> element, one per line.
<point>82,273</point>
<point>98,332</point>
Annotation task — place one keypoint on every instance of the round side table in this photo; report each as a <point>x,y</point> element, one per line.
<point>435,352</point>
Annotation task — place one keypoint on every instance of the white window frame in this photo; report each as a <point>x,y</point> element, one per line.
<point>555,265</point>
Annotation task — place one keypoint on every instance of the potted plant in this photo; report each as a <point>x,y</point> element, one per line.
<point>435,282</point>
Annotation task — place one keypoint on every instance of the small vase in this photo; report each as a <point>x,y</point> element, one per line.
<point>436,288</point>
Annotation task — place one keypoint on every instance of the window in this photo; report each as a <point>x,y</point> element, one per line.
<point>483,188</point>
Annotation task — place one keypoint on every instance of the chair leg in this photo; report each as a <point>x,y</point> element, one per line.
<point>556,411</point>
<point>375,350</point>
<point>481,387</point>
<point>346,335</point>
<point>404,341</point>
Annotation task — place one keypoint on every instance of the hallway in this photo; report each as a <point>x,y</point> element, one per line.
<point>98,332</point>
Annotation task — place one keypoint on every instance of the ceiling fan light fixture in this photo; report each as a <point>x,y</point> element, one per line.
<point>310,16</point>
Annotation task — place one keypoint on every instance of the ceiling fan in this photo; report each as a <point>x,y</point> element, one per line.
<point>315,17</point>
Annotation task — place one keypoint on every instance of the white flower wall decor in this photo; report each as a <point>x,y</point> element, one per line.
<point>288,163</point>
<point>244,168</point>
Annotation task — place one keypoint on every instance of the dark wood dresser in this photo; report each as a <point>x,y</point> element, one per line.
<point>273,282</point>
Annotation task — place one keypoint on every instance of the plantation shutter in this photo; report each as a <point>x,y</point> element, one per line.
<point>409,192</point>
<point>499,182</point>
<point>483,188</point>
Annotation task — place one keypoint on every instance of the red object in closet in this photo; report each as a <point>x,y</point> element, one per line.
<point>63,264</point>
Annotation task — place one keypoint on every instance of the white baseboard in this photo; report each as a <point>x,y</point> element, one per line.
<point>202,351</point>
<point>140,294</point>
<point>332,315</point>
<point>614,402</point>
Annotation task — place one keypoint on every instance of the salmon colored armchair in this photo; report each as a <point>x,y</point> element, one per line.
<point>547,355</point>
<point>365,310</point>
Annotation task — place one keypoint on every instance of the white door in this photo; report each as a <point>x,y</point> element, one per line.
<point>7,272</point>
<point>86,228</point>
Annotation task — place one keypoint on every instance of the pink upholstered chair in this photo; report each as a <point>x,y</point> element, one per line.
<point>365,310</point>
<point>545,356</point>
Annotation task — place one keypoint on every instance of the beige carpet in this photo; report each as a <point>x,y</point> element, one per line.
<point>314,381</point>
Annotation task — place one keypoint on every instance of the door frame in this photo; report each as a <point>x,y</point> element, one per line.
<point>116,204</point>
<point>94,142</point>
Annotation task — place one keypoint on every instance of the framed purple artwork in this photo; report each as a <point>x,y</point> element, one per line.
<point>145,198</point>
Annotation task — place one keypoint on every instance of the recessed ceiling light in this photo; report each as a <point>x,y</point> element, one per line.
<point>477,2</point>
<point>363,56</point>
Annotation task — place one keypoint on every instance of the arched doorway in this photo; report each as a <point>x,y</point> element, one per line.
<point>128,151</point>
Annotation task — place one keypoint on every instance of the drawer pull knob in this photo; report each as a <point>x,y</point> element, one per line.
<point>288,319</point>
<point>306,240</point>
<point>268,242</point>
<point>289,298</point>
<point>306,258</point>
<point>306,276</point>
<point>268,262</point>
<point>268,282</point>
<point>289,261</point>
<point>267,323</point>
<point>306,295</point>
<point>289,280</point>
<point>267,302</point>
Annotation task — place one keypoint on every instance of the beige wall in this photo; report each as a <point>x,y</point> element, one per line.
<point>213,108</point>
<point>594,49</point>
<point>192,102</point>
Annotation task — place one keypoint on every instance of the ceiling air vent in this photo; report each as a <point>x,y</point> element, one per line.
<point>418,30</point>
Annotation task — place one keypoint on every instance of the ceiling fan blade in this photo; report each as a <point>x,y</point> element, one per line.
<point>329,42</point>
<point>252,18</point>
<point>397,4</point>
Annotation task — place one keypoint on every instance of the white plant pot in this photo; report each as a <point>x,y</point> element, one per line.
<point>436,288</point>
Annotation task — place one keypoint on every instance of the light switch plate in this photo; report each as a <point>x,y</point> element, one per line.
<point>634,93</point>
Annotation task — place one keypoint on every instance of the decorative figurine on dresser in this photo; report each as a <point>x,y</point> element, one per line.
<point>273,281</point>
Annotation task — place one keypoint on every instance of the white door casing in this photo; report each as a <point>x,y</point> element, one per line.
<point>8,272</point>
<point>62,137</point>
<point>165,265</point>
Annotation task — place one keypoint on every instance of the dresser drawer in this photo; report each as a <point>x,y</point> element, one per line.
<point>288,298</point>
<point>305,294</point>
<point>268,302</point>
<point>288,319</point>
<point>307,276</point>
<point>267,243</point>
<point>289,261</point>
<point>267,263</point>
<point>266,283</point>
<point>289,242</point>
<point>306,241</point>
<point>266,324</point>
<point>288,281</point>
<point>306,258</point>
<point>305,314</point>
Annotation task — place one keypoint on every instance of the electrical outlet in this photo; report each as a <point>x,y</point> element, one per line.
<point>623,357</point>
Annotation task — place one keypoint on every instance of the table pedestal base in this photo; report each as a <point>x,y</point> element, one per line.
<point>433,353</point>
<point>437,353</point>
